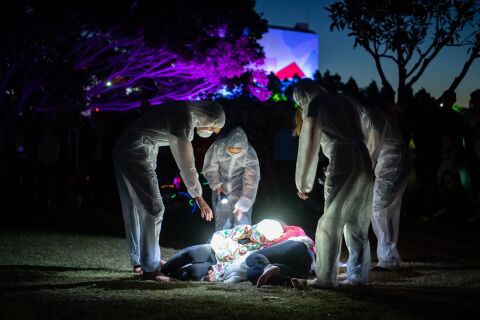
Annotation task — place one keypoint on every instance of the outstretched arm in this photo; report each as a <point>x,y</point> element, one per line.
<point>307,158</point>
<point>182,152</point>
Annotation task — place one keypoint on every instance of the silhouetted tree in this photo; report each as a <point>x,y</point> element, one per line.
<point>352,89</point>
<point>372,95</point>
<point>332,83</point>
<point>59,55</point>
<point>472,41</point>
<point>410,33</point>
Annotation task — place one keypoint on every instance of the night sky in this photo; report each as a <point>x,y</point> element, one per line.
<point>338,55</point>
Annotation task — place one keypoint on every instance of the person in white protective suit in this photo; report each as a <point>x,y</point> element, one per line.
<point>390,161</point>
<point>332,125</point>
<point>135,158</point>
<point>231,168</point>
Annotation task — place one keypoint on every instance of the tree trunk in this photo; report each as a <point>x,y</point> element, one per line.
<point>458,79</point>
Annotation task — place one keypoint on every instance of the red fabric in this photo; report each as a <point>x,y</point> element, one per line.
<point>288,232</point>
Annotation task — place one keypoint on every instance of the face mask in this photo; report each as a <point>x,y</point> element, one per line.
<point>204,133</point>
<point>235,154</point>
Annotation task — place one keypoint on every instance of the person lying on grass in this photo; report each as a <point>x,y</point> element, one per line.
<point>230,258</point>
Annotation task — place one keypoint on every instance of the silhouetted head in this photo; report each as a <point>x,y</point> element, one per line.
<point>447,99</point>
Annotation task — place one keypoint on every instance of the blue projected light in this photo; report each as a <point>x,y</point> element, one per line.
<point>191,200</point>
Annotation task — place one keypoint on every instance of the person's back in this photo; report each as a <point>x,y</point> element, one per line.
<point>154,126</point>
<point>333,122</point>
<point>339,120</point>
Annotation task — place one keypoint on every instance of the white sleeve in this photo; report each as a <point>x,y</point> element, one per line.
<point>182,151</point>
<point>251,177</point>
<point>308,151</point>
<point>211,167</point>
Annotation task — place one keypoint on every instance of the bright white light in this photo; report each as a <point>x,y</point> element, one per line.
<point>108,83</point>
<point>271,229</point>
<point>223,198</point>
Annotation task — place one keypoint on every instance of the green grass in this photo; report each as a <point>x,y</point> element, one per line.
<point>60,276</point>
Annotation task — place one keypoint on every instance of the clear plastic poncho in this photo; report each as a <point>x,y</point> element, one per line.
<point>390,159</point>
<point>238,174</point>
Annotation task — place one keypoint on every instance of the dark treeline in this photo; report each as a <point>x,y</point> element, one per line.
<point>55,149</point>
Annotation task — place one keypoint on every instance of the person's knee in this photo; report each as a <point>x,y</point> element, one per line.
<point>250,261</point>
<point>256,259</point>
<point>157,209</point>
<point>253,274</point>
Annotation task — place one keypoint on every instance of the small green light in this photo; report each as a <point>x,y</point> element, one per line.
<point>276,97</point>
<point>411,145</point>
<point>173,196</point>
<point>190,202</point>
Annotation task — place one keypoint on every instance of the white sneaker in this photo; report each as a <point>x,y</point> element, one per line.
<point>390,265</point>
<point>351,282</point>
<point>341,264</point>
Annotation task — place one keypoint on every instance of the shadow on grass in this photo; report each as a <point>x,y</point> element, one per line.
<point>424,301</point>
<point>116,284</point>
<point>407,269</point>
<point>23,267</point>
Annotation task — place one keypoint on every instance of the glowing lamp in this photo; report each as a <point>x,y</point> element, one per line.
<point>271,229</point>
<point>223,198</point>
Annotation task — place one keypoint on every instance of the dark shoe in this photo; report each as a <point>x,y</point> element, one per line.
<point>138,270</point>
<point>268,272</point>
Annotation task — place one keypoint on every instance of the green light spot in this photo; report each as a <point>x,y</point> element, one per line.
<point>411,145</point>
<point>173,196</point>
<point>190,202</point>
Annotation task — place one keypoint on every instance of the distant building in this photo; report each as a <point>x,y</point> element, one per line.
<point>290,51</point>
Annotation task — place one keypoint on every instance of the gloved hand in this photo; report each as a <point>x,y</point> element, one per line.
<point>238,214</point>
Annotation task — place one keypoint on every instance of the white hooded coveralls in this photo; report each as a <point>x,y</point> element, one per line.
<point>135,159</point>
<point>238,174</point>
<point>332,124</point>
<point>390,159</point>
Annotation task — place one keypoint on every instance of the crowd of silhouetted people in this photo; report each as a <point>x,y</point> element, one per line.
<point>62,161</point>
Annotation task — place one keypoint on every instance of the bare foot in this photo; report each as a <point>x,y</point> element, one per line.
<point>303,284</point>
<point>156,276</point>
<point>162,278</point>
<point>300,284</point>
<point>268,272</point>
<point>138,270</point>
<point>210,277</point>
